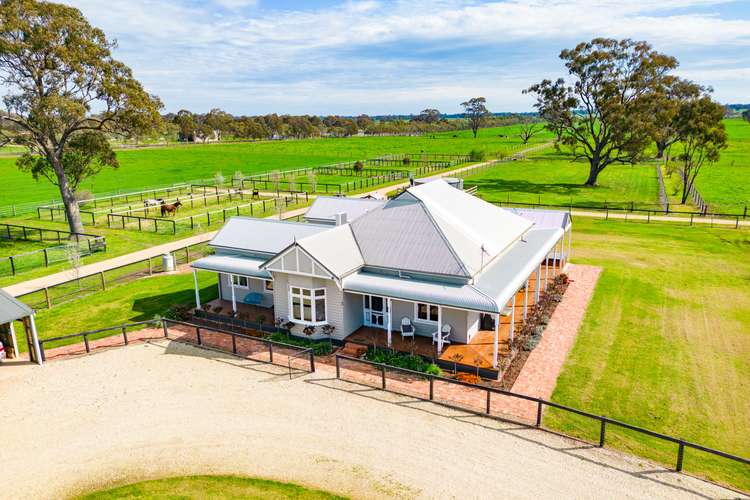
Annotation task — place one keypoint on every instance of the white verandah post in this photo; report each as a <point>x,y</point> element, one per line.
<point>440,329</point>
<point>13,339</point>
<point>234,299</point>
<point>538,283</point>
<point>390,319</point>
<point>546,270</point>
<point>570,238</point>
<point>35,340</point>
<point>525,299</point>
<point>494,345</point>
<point>513,316</point>
<point>197,293</point>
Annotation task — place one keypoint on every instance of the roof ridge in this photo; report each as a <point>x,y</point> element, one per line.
<point>445,238</point>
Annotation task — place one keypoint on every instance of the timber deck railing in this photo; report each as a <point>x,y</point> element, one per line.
<point>381,374</point>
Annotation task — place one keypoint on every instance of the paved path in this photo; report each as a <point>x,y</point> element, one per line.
<point>697,220</point>
<point>165,408</point>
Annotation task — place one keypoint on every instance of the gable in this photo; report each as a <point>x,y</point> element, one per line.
<point>296,260</point>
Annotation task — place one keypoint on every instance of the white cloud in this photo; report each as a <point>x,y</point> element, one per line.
<point>383,56</point>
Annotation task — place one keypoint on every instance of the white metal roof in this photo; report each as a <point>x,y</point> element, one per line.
<point>460,296</point>
<point>335,249</point>
<point>244,266</point>
<point>262,235</point>
<point>501,279</point>
<point>12,309</point>
<point>476,230</point>
<point>325,208</point>
<point>544,219</point>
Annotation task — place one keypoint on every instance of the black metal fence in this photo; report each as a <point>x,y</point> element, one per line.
<point>239,344</point>
<point>86,337</point>
<point>407,382</point>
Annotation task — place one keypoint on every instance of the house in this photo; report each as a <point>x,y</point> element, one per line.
<point>461,271</point>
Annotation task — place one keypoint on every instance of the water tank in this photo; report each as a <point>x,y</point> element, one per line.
<point>167,261</point>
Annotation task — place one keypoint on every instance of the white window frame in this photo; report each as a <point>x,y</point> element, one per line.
<point>429,306</point>
<point>313,302</point>
<point>238,284</point>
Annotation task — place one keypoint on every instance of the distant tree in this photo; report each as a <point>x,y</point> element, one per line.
<point>529,130</point>
<point>365,123</point>
<point>666,102</point>
<point>476,112</point>
<point>185,120</point>
<point>428,115</point>
<point>55,70</point>
<point>218,122</point>
<point>701,136</point>
<point>746,115</point>
<point>604,115</point>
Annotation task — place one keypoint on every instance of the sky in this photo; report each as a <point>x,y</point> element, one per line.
<point>251,57</point>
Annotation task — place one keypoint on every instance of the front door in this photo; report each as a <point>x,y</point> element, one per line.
<point>376,311</point>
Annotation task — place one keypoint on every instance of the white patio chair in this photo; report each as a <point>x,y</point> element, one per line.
<point>407,329</point>
<point>445,332</point>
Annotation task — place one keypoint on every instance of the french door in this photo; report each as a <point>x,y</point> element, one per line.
<point>376,311</point>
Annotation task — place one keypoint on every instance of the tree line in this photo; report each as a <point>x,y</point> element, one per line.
<point>217,125</point>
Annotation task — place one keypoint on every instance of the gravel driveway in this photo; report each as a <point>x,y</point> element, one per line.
<point>165,408</point>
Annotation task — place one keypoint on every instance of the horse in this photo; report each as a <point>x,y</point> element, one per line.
<point>153,202</point>
<point>167,209</point>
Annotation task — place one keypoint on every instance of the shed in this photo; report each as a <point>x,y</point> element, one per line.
<point>12,310</point>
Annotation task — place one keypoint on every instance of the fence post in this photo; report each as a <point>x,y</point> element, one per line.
<point>312,361</point>
<point>198,334</point>
<point>680,455</point>
<point>86,343</point>
<point>46,297</point>
<point>12,266</point>
<point>164,325</point>
<point>539,413</point>
<point>125,333</point>
<point>104,284</point>
<point>602,431</point>
<point>338,368</point>
<point>488,401</point>
<point>432,380</point>
<point>382,375</point>
<point>46,258</point>
<point>270,352</point>
<point>234,344</point>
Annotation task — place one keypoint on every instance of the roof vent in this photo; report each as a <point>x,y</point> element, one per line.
<point>340,218</point>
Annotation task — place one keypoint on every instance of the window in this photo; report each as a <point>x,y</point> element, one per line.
<point>269,286</point>
<point>308,305</point>
<point>426,312</point>
<point>239,281</point>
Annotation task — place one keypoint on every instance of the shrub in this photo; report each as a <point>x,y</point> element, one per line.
<point>318,348</point>
<point>358,166</point>
<point>180,312</point>
<point>406,160</point>
<point>433,369</point>
<point>532,342</point>
<point>477,155</point>
<point>401,360</point>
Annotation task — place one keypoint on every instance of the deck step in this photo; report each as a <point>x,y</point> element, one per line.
<point>354,350</point>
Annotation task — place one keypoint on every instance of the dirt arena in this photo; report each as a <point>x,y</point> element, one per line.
<point>165,408</point>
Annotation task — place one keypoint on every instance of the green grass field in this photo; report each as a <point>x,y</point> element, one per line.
<point>148,167</point>
<point>204,487</point>
<point>665,343</point>
<point>551,178</point>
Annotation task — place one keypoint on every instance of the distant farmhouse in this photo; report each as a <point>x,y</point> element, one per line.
<point>433,270</point>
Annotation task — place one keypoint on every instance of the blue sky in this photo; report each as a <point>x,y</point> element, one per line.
<point>379,57</point>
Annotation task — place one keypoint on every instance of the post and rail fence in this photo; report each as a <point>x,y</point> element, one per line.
<point>379,378</point>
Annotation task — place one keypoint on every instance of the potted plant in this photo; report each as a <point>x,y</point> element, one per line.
<point>309,330</point>
<point>278,323</point>
<point>327,330</point>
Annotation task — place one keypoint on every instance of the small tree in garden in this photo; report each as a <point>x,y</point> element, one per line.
<point>328,332</point>
<point>278,323</point>
<point>358,166</point>
<point>312,179</point>
<point>73,254</point>
<point>477,362</point>
<point>219,179</point>
<point>275,177</point>
<point>529,130</point>
<point>456,358</point>
<point>476,112</point>
<point>261,319</point>
<point>238,177</point>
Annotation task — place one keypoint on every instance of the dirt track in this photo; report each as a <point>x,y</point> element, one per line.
<point>152,410</point>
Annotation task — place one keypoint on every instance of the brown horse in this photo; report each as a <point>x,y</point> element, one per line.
<point>170,209</point>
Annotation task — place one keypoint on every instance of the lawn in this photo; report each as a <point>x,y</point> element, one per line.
<point>665,343</point>
<point>143,168</point>
<point>203,487</point>
<point>553,179</point>
<point>138,300</point>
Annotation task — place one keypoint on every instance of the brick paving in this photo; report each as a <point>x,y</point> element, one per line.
<point>537,378</point>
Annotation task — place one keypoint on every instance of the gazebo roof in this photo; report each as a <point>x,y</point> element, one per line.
<point>12,309</point>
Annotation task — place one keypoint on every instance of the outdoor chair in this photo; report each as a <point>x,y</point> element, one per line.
<point>407,329</point>
<point>445,332</point>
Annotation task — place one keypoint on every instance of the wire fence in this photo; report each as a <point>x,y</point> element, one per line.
<point>48,297</point>
<point>75,245</point>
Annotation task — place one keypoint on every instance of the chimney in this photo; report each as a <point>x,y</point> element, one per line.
<point>340,218</point>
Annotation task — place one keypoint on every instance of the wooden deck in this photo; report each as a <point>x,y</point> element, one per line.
<point>376,337</point>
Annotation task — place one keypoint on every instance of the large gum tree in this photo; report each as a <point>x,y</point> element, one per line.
<point>65,95</point>
<point>603,112</point>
